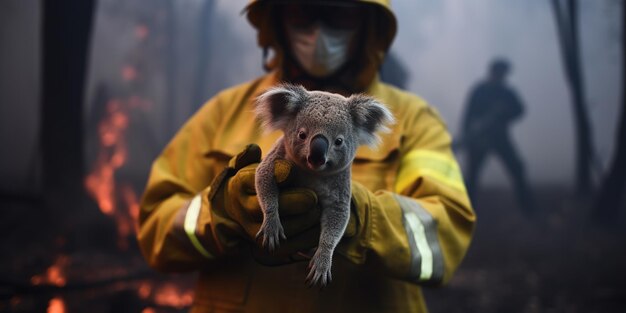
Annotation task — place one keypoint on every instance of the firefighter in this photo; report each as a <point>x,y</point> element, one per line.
<point>411,220</point>
<point>492,107</point>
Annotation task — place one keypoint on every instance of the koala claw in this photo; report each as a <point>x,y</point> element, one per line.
<point>319,271</point>
<point>271,231</point>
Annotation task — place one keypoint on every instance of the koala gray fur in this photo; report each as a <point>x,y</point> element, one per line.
<point>321,134</point>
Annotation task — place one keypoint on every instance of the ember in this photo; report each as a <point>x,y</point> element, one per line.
<point>57,305</point>
<point>55,275</point>
<point>144,290</point>
<point>129,73</point>
<point>171,295</point>
<point>142,31</point>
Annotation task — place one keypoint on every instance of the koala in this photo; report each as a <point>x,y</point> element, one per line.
<point>321,133</point>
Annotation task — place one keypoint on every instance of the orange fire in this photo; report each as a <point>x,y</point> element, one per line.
<point>144,291</point>
<point>56,305</point>
<point>171,295</point>
<point>115,199</point>
<point>55,274</point>
<point>166,294</point>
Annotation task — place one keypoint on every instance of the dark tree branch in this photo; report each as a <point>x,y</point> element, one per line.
<point>567,27</point>
<point>204,48</point>
<point>610,199</point>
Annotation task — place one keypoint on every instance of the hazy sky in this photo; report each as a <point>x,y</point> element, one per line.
<point>447,45</point>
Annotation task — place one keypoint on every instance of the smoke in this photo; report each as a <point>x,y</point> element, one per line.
<point>447,45</point>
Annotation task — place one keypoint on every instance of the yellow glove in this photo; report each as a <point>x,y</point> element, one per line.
<point>237,214</point>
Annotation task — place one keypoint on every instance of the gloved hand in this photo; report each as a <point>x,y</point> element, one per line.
<point>234,203</point>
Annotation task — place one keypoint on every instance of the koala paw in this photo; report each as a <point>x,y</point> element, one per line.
<point>271,231</point>
<point>319,270</point>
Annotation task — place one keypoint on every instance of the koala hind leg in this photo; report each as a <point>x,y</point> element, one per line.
<point>267,192</point>
<point>334,221</point>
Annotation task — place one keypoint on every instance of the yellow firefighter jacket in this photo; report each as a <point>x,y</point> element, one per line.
<point>416,214</point>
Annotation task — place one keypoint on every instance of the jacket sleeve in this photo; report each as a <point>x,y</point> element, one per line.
<point>175,219</point>
<point>421,230</point>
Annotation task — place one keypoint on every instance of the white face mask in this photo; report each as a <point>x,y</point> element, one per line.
<point>319,49</point>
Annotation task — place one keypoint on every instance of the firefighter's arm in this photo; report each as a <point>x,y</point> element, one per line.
<point>516,106</point>
<point>420,231</point>
<point>470,113</point>
<point>192,214</point>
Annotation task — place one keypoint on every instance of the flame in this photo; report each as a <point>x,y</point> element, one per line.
<point>171,295</point>
<point>55,274</point>
<point>166,294</point>
<point>115,199</point>
<point>144,291</point>
<point>100,183</point>
<point>56,305</point>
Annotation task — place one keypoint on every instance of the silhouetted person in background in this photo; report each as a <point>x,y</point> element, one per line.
<point>491,109</point>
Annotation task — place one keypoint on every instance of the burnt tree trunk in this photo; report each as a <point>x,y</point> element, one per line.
<point>65,29</point>
<point>566,17</point>
<point>170,66</point>
<point>204,48</point>
<point>611,195</point>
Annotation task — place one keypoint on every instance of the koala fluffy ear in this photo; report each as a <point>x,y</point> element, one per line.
<point>277,106</point>
<point>369,116</point>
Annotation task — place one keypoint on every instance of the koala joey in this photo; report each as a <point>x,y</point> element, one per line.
<point>321,133</point>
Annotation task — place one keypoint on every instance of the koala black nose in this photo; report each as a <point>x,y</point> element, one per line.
<point>317,154</point>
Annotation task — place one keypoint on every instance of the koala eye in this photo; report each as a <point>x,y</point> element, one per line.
<point>302,135</point>
<point>338,142</point>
